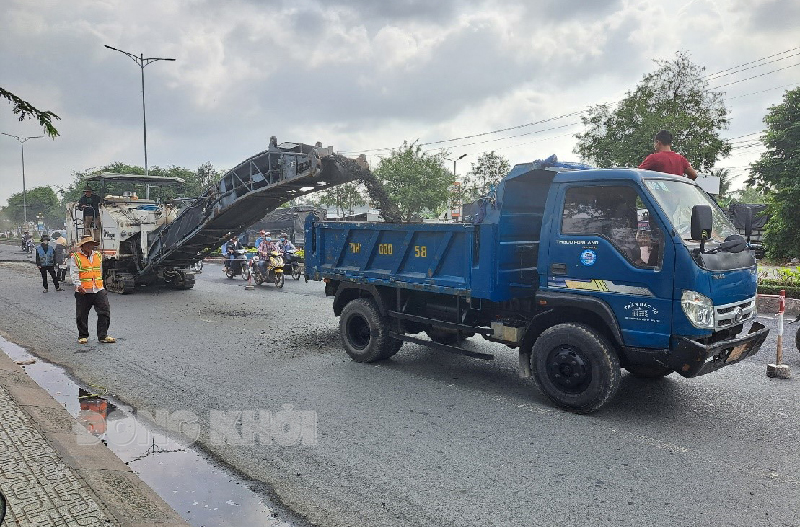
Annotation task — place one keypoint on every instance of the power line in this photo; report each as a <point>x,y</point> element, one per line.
<point>763,91</point>
<point>510,136</point>
<point>719,73</point>
<point>755,77</point>
<point>482,134</point>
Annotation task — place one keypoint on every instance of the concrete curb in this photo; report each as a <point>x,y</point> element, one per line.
<point>83,483</point>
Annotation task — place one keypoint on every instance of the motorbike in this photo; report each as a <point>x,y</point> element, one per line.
<point>28,245</point>
<point>271,272</point>
<point>294,263</point>
<point>238,265</point>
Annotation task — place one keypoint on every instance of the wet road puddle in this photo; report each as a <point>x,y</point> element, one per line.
<point>202,492</point>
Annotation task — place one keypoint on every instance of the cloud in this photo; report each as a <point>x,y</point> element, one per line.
<point>356,74</point>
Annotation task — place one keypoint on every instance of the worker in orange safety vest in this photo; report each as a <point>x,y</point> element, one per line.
<point>86,272</point>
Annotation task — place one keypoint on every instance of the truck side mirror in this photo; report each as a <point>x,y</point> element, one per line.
<point>702,223</point>
<point>748,224</point>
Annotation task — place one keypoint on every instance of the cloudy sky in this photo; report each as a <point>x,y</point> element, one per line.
<point>363,75</point>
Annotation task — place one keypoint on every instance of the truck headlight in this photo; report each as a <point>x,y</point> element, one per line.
<point>698,309</point>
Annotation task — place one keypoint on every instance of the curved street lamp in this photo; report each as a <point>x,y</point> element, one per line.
<point>141,61</point>
<point>22,141</point>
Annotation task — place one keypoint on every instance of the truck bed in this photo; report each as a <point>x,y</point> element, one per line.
<point>430,256</point>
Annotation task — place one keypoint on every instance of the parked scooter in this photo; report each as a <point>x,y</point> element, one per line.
<point>238,266</point>
<point>271,272</point>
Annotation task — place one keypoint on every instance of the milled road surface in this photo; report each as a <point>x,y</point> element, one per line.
<point>428,438</point>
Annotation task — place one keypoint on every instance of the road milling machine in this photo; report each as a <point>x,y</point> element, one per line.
<point>144,241</point>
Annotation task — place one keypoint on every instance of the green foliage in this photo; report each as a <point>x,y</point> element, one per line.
<point>485,173</point>
<point>26,110</point>
<point>41,201</point>
<point>750,195</point>
<point>786,279</point>
<point>345,198</point>
<point>676,97</point>
<point>196,182</point>
<point>778,170</point>
<point>417,182</point>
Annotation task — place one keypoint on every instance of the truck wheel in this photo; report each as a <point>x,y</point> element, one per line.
<point>648,372</point>
<point>365,333</point>
<point>797,340</point>
<point>575,367</point>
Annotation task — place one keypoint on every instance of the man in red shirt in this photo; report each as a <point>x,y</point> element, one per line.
<point>665,160</point>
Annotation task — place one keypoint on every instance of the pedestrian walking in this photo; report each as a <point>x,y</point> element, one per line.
<point>60,252</point>
<point>45,261</point>
<point>86,271</point>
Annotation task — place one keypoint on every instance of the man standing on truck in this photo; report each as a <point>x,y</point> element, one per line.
<point>665,160</point>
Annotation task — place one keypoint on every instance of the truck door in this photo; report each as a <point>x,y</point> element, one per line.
<point>609,244</point>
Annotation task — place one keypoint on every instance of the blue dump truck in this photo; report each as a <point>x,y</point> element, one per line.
<point>585,272</point>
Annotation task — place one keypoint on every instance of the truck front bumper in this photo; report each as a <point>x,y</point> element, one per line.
<point>691,358</point>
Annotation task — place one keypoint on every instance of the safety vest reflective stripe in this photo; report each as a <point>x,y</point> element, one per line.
<point>90,273</point>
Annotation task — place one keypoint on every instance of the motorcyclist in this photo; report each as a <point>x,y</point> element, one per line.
<point>230,248</point>
<point>287,249</point>
<point>26,240</point>
<point>265,247</point>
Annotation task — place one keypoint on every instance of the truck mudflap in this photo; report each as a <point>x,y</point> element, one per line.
<point>691,358</point>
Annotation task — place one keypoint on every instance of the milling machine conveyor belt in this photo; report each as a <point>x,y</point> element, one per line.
<point>243,196</point>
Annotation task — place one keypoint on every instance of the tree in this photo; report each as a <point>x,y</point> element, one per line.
<point>417,182</point>
<point>195,181</point>
<point>345,198</point>
<point>41,201</point>
<point>750,195</point>
<point>778,170</point>
<point>26,110</point>
<point>675,97</point>
<point>485,173</point>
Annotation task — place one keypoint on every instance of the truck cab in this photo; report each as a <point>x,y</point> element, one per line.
<point>624,237</point>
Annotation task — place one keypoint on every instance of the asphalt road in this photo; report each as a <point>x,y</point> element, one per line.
<point>428,438</point>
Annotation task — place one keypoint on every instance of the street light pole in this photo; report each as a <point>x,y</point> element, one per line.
<point>22,141</point>
<point>141,61</point>
<point>462,156</point>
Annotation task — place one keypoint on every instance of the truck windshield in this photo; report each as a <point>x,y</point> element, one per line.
<point>677,199</point>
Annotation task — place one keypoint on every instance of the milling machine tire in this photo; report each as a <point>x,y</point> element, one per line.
<point>575,367</point>
<point>365,333</point>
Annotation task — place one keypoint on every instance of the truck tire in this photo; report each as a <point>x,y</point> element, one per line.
<point>576,367</point>
<point>365,333</point>
<point>648,372</point>
<point>797,340</point>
